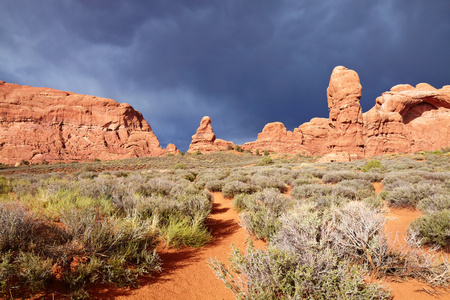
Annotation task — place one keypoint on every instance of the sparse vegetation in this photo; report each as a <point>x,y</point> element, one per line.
<point>101,222</point>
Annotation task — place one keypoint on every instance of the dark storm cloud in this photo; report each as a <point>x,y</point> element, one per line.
<point>243,63</point>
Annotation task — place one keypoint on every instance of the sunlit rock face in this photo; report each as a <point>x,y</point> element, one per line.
<point>39,124</point>
<point>408,119</point>
<point>204,140</point>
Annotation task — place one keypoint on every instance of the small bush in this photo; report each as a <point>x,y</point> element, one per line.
<point>432,229</point>
<point>186,232</point>
<point>408,195</point>
<point>34,271</point>
<point>257,152</point>
<point>229,147</point>
<point>265,161</point>
<point>266,153</point>
<point>262,212</point>
<point>434,203</point>
<point>372,164</point>
<point>238,148</point>
<point>179,166</point>
<point>336,176</point>
<point>235,187</point>
<point>215,185</point>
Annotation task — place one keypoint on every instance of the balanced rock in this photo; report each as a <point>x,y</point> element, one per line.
<point>204,140</point>
<point>38,124</point>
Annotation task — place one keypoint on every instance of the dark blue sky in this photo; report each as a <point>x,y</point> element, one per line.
<point>244,63</point>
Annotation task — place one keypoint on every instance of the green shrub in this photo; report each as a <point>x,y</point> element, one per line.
<point>238,148</point>
<point>432,229</point>
<point>229,147</point>
<point>257,152</point>
<point>34,271</point>
<point>266,153</point>
<point>265,161</point>
<point>5,185</point>
<point>191,233</point>
<point>179,166</point>
<point>372,164</point>
<point>24,162</point>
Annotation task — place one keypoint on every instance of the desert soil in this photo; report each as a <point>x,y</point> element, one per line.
<point>186,275</point>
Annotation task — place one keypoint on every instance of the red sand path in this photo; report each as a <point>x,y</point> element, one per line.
<point>185,273</point>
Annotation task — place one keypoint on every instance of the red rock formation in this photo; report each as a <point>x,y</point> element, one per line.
<point>205,140</point>
<point>346,119</point>
<point>275,138</point>
<point>408,119</point>
<point>315,135</point>
<point>171,148</point>
<point>405,119</point>
<point>45,124</point>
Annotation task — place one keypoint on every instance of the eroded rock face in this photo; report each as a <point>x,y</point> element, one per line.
<point>39,124</point>
<point>275,138</point>
<point>204,140</point>
<point>346,119</point>
<point>408,119</point>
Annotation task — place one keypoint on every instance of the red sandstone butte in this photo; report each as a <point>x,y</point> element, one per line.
<point>204,140</point>
<point>39,124</point>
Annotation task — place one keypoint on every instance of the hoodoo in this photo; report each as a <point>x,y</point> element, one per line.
<point>204,140</point>
<point>38,124</point>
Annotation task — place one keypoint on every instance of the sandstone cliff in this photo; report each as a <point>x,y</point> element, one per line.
<point>39,124</point>
<point>204,140</point>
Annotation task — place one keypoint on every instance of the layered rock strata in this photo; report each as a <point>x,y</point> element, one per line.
<point>204,140</point>
<point>39,124</point>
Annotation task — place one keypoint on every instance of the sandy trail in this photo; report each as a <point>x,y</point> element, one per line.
<point>185,273</point>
